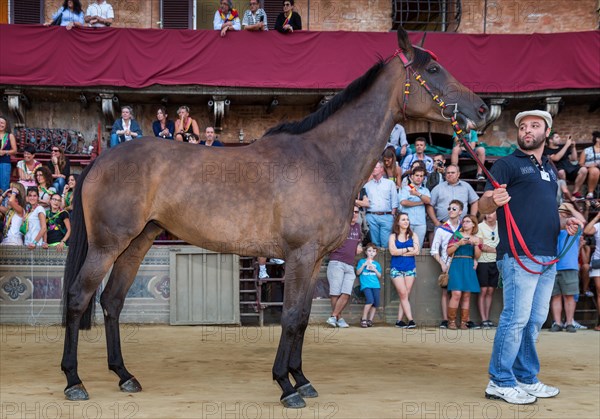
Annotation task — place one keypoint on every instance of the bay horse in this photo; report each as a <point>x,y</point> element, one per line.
<point>288,195</point>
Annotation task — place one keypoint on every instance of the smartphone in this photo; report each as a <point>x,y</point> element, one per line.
<point>261,18</point>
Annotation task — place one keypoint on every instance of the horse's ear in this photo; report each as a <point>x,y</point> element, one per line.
<point>404,43</point>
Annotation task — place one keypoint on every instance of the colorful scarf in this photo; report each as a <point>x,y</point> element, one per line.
<point>233,14</point>
<point>287,19</point>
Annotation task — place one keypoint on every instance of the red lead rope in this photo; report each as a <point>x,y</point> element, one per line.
<point>511,225</point>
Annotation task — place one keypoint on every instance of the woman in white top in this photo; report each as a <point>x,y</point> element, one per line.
<point>590,158</point>
<point>35,220</point>
<point>593,228</point>
<point>13,210</point>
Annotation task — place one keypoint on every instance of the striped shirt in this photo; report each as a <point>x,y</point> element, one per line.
<point>253,19</point>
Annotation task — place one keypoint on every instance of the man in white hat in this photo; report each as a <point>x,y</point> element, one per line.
<point>528,181</point>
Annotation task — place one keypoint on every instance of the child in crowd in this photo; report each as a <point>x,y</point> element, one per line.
<point>369,271</point>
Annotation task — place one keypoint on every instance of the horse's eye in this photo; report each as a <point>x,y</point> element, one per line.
<point>433,69</point>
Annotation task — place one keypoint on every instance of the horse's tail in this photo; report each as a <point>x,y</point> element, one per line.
<point>78,247</point>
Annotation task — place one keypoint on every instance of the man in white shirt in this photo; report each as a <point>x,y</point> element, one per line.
<point>99,14</point>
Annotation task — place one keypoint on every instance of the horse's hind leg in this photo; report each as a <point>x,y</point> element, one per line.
<point>113,298</point>
<point>93,270</point>
<point>301,268</point>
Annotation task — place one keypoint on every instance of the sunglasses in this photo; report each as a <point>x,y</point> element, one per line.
<point>356,212</point>
<point>452,208</point>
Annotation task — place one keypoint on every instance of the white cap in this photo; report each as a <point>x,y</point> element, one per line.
<point>541,114</point>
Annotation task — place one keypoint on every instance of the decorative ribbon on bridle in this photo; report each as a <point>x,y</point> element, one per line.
<point>511,226</point>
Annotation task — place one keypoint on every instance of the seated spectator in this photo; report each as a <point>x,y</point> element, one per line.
<point>43,179</point>
<point>288,21</point>
<point>391,170</point>
<point>58,225</point>
<point>71,15</point>
<point>398,141</point>
<point>60,167</point>
<point>185,125</point>
<point>163,127</point>
<point>413,199</point>
<point>67,195</point>
<point>563,156</point>
<point>35,221</point>
<point>369,271</point>
<point>462,279</point>
<point>14,212</point>
<point>125,129</point>
<point>590,158</point>
<point>420,147</point>
<point>209,134</point>
<point>255,18</point>
<point>226,18</point>
<point>99,14</point>
<point>27,166</point>
<point>193,139</point>
<point>8,147</point>
<point>459,151</point>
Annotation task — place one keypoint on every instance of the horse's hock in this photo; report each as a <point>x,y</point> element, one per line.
<point>163,292</point>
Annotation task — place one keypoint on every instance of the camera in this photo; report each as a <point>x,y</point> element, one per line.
<point>439,164</point>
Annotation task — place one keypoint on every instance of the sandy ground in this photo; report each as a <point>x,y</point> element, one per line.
<point>225,372</point>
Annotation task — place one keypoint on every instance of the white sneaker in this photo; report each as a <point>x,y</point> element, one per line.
<point>513,395</point>
<point>579,325</point>
<point>278,261</point>
<point>262,273</point>
<point>539,389</point>
<point>342,323</point>
<point>332,321</point>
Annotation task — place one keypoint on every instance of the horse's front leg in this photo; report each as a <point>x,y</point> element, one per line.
<point>301,267</point>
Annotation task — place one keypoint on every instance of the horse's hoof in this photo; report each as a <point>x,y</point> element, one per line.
<point>131,386</point>
<point>76,393</point>
<point>307,391</point>
<point>293,401</point>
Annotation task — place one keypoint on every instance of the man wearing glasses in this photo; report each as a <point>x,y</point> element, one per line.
<point>255,18</point>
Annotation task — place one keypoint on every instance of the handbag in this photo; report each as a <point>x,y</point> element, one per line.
<point>58,20</point>
<point>443,277</point>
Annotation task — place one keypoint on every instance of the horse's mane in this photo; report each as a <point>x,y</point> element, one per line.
<point>353,91</point>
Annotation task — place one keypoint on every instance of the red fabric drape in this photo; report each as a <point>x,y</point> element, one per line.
<point>137,58</point>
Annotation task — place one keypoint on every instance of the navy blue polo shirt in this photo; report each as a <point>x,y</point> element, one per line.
<point>533,204</point>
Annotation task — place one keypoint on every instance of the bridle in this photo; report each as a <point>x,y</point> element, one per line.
<point>511,226</point>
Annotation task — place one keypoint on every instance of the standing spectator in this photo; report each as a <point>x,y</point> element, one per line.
<point>255,18</point>
<point>67,196</point>
<point>459,151</point>
<point>125,129</point>
<point>404,246</point>
<point>437,176</point>
<point>43,179</point>
<point>487,270</point>
<point>563,156</point>
<point>462,278</point>
<point>593,228</point>
<point>163,127</point>
<point>413,198</point>
<point>288,21</point>
<point>226,18</point>
<point>340,272</point>
<point>439,249</point>
<point>584,265</point>
<point>526,178</point>
<point>398,141</point>
<point>566,283</point>
<point>451,188</point>
<point>369,271</point>
<point>35,221</point>
<point>27,167</point>
<point>60,168</point>
<point>8,147</point>
<point>209,135</point>
<point>391,170</point>
<point>383,203</point>
<point>13,212</point>
<point>420,147</point>
<point>99,14</point>
<point>185,125</point>
<point>590,158</point>
<point>71,15</point>
<point>58,225</point>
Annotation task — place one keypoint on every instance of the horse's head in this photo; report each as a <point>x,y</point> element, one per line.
<point>434,94</point>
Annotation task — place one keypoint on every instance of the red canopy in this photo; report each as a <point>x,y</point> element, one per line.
<point>137,58</point>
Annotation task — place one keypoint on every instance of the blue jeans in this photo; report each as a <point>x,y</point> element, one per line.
<point>4,176</point>
<point>380,227</point>
<point>114,140</point>
<point>526,304</point>
<point>59,184</point>
<point>399,157</point>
